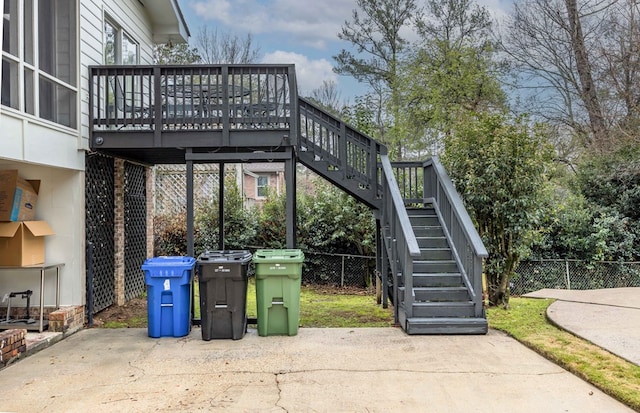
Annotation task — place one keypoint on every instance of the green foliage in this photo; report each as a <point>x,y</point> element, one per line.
<point>331,221</point>
<point>170,231</point>
<point>444,84</point>
<point>272,223</point>
<point>360,115</point>
<point>170,235</point>
<point>601,222</point>
<point>239,223</point>
<point>498,166</point>
<point>613,180</point>
<point>328,221</point>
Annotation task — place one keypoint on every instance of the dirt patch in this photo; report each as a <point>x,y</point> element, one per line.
<point>131,314</point>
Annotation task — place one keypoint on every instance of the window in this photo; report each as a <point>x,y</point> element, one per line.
<point>119,46</point>
<point>40,78</point>
<point>262,186</point>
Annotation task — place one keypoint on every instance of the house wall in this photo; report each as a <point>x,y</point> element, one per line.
<point>132,17</point>
<point>55,154</point>
<point>276,185</point>
<point>61,204</point>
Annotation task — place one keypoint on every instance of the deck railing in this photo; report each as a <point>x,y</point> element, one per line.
<point>188,97</point>
<point>327,138</point>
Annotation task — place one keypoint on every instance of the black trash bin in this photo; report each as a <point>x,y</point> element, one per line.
<point>223,293</point>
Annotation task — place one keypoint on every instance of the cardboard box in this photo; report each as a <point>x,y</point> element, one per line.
<point>18,197</point>
<point>22,243</point>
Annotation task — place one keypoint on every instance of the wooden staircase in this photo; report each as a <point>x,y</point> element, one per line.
<point>436,285</point>
<point>441,301</point>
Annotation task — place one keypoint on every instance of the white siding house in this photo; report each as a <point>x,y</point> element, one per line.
<point>47,47</point>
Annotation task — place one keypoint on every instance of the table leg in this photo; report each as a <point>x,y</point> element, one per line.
<point>42,271</point>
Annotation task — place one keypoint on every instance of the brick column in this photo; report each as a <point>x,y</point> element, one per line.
<point>151,201</point>
<point>118,188</point>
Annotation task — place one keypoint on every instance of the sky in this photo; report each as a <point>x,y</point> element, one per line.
<point>302,32</point>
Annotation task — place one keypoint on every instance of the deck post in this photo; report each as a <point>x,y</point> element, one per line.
<point>190,226</point>
<point>221,206</point>
<point>290,178</point>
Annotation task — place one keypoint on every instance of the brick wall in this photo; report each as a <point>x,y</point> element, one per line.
<point>118,183</point>
<point>151,195</point>
<point>12,344</point>
<point>66,318</point>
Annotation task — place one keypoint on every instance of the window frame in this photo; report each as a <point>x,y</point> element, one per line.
<point>118,43</point>
<point>30,73</point>
<point>264,187</point>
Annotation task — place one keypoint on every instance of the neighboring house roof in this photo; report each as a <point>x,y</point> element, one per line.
<point>168,22</point>
<point>259,167</point>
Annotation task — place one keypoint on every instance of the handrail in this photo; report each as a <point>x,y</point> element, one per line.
<point>352,155</point>
<point>401,241</point>
<point>398,205</point>
<point>457,206</point>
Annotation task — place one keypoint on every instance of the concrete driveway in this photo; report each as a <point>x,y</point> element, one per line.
<point>319,370</point>
<point>608,317</point>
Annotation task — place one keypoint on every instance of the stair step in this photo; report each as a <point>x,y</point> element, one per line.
<point>417,212</point>
<point>428,231</point>
<point>436,254</point>
<point>444,309</point>
<point>438,294</point>
<point>436,266</point>
<point>430,220</point>
<point>437,280</point>
<point>446,325</point>
<point>432,242</point>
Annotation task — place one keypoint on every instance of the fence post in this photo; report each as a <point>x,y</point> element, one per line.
<point>566,262</point>
<point>342,273</point>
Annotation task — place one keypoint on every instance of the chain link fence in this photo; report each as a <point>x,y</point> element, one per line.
<point>338,269</point>
<point>573,275</point>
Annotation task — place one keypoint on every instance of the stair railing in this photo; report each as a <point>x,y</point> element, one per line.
<point>468,247</point>
<point>352,155</point>
<point>403,247</point>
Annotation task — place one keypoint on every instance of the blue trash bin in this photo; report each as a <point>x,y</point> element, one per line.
<point>169,281</point>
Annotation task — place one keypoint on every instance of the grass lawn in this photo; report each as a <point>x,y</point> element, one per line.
<point>526,322</point>
<point>331,307</point>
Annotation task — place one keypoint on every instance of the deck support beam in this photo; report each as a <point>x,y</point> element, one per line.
<point>290,178</point>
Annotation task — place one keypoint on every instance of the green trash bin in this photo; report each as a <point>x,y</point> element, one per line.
<point>278,276</point>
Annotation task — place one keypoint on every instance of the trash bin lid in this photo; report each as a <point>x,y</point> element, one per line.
<point>286,255</point>
<point>155,262</point>
<point>225,256</point>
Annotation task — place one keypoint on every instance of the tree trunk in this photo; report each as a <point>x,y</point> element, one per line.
<point>587,89</point>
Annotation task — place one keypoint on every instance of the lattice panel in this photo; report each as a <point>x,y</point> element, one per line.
<point>99,220</point>
<point>135,229</point>
<point>171,186</point>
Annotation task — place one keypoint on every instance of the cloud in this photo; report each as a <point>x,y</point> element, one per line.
<point>310,24</point>
<point>309,73</point>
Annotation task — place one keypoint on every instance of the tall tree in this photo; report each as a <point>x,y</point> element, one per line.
<point>374,31</point>
<point>498,166</point>
<point>180,53</point>
<point>328,96</point>
<point>219,47</point>
<point>557,46</point>
<point>452,71</point>
<point>620,49</point>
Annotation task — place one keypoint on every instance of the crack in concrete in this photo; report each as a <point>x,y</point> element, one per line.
<point>277,404</point>
<point>284,372</point>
